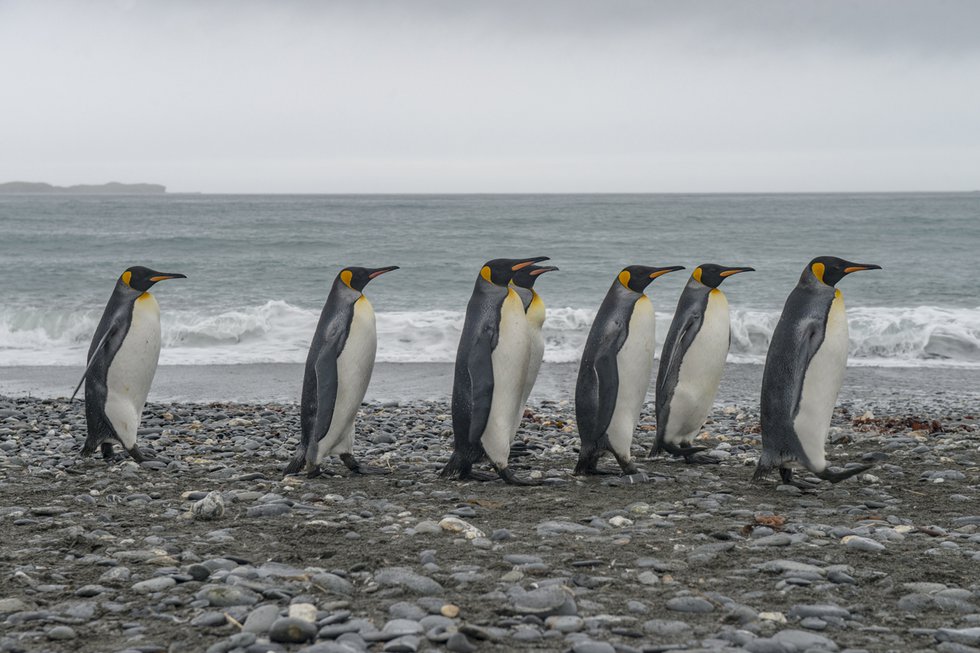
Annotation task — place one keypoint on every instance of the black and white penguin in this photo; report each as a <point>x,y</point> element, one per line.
<point>523,282</point>
<point>122,360</point>
<point>691,362</point>
<point>803,374</point>
<point>614,374</point>
<point>338,370</point>
<point>491,368</point>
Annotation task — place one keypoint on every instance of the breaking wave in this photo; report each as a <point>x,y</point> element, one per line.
<point>278,332</point>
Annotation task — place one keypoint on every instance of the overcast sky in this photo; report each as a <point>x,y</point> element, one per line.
<point>493,96</point>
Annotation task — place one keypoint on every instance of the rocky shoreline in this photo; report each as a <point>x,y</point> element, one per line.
<point>207,549</point>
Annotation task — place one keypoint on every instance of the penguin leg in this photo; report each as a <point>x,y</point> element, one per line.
<point>108,454</point>
<point>508,476</point>
<point>351,463</point>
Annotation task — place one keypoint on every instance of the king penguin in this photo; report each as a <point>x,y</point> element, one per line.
<point>803,373</point>
<point>691,362</point>
<point>614,374</point>
<point>338,370</point>
<point>523,282</point>
<point>491,368</point>
<point>122,360</point>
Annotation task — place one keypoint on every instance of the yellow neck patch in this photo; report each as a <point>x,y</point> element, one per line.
<point>818,269</point>
<point>126,276</point>
<point>346,276</point>
<point>485,273</point>
<point>624,278</point>
<point>696,275</point>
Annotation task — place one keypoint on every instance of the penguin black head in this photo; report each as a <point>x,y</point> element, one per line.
<point>525,277</point>
<point>500,271</point>
<point>142,279</point>
<point>830,269</point>
<point>712,275</point>
<point>638,277</point>
<point>356,278</point>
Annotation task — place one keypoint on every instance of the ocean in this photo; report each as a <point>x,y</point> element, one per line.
<point>259,267</point>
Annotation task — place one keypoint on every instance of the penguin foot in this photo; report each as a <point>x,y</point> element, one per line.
<point>786,477</point>
<point>595,471</point>
<point>701,459</point>
<point>314,471</point>
<point>371,470</point>
<point>482,477</point>
<point>837,477</point>
<point>507,474</point>
<point>689,454</point>
<point>351,463</point>
<point>140,455</point>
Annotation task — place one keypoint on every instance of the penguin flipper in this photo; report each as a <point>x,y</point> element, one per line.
<point>92,359</point>
<point>607,371</point>
<point>326,397</point>
<point>810,340</point>
<point>480,367</point>
<point>679,341</point>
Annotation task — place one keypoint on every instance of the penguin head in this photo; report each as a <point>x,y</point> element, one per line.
<point>830,269</point>
<point>356,278</point>
<point>711,275</point>
<point>638,277</point>
<point>142,279</point>
<point>526,276</point>
<point>500,271</point>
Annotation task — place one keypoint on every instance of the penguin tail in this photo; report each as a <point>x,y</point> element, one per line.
<point>837,477</point>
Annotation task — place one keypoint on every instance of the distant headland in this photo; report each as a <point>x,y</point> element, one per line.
<point>112,188</point>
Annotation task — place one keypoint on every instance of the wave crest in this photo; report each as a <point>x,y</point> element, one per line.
<point>278,332</point>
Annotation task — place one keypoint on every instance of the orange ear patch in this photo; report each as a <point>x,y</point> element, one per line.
<point>624,278</point>
<point>346,276</point>
<point>126,276</point>
<point>818,270</point>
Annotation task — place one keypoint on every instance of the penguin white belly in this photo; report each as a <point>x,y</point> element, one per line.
<point>509,360</point>
<point>821,384</point>
<point>635,364</point>
<point>700,372</point>
<point>131,371</point>
<point>354,367</point>
<point>535,322</point>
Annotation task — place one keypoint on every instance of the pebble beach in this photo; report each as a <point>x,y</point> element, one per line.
<point>209,549</point>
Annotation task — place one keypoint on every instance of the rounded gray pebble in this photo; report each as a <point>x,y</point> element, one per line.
<point>292,631</point>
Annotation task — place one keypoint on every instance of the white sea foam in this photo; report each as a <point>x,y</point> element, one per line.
<point>278,332</point>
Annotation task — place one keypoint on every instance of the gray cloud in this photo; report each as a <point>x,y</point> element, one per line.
<point>503,96</point>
